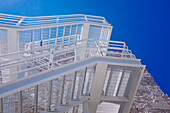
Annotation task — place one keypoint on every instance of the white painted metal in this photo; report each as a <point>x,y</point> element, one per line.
<point>64,64</point>
<point>97,86</point>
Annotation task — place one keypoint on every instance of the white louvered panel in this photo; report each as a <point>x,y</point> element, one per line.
<point>114,81</point>
<point>124,83</point>
<point>3,42</point>
<point>24,37</point>
<point>108,107</point>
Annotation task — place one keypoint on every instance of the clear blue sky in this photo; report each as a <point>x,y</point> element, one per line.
<point>143,24</point>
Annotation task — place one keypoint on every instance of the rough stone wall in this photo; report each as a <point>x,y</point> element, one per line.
<point>150,98</point>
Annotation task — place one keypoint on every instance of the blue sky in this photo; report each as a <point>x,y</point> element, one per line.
<point>143,24</point>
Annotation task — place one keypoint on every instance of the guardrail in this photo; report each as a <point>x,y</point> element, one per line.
<point>36,60</point>
<point>15,20</point>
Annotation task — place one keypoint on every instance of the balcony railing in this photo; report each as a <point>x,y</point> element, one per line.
<point>39,59</point>
<point>14,20</point>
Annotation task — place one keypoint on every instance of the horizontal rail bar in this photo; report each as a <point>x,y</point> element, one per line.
<point>15,86</point>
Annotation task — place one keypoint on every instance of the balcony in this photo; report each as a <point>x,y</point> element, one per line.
<point>64,63</point>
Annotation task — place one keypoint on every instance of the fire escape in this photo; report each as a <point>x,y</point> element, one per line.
<point>64,64</point>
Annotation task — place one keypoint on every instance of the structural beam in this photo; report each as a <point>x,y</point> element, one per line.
<point>113,99</point>
<point>84,35</point>
<point>1,105</point>
<point>85,107</point>
<point>131,89</point>
<point>13,46</point>
<point>97,87</point>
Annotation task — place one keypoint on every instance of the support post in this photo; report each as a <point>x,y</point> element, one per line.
<point>20,102</point>
<point>1,105</point>
<point>49,98</point>
<point>36,99</point>
<point>13,46</point>
<point>83,81</point>
<point>85,107</point>
<point>84,35</point>
<point>74,82</point>
<point>62,89</point>
<point>97,86</point>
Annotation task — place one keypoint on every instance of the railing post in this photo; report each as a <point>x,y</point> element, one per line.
<point>41,43</point>
<point>33,38</point>
<point>63,35</point>
<point>51,62</point>
<point>56,36</point>
<point>70,34</point>
<point>49,41</point>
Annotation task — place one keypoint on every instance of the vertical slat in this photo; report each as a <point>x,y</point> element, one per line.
<point>49,36</point>
<point>0,77</point>
<point>20,102</point>
<point>1,105</point>
<point>107,88</point>
<point>56,36</point>
<point>63,34</point>
<point>33,38</point>
<point>50,93</point>
<point>36,99</point>
<point>108,38</point>
<point>84,78</point>
<point>76,33</point>
<point>62,89</point>
<point>70,33</point>
<point>121,80</point>
<point>74,82</point>
<point>101,33</point>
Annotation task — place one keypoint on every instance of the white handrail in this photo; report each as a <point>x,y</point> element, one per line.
<point>39,20</point>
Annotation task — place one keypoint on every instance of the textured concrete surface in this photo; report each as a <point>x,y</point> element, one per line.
<point>150,98</point>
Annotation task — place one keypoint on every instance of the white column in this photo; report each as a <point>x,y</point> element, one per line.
<point>85,107</point>
<point>84,35</point>
<point>13,40</point>
<point>1,105</point>
<point>13,46</point>
<point>97,87</point>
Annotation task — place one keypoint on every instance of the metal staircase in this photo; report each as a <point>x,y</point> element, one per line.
<point>65,66</point>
